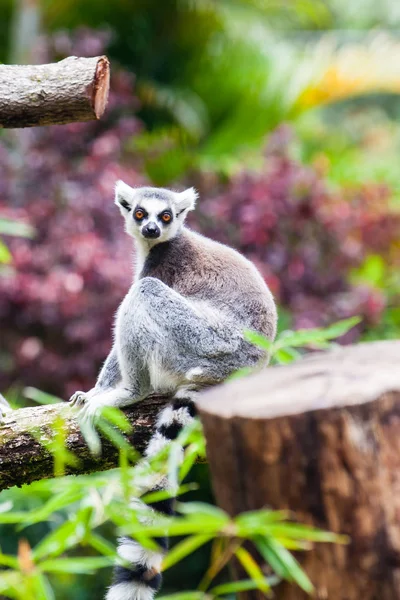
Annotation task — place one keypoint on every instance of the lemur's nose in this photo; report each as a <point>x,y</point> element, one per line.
<point>151,230</point>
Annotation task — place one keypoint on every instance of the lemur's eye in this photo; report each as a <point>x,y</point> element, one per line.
<point>166,217</point>
<point>139,214</point>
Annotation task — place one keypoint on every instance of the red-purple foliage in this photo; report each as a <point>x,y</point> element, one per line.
<point>303,237</point>
<point>56,311</point>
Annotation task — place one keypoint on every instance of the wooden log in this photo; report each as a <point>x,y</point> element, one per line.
<point>74,89</point>
<point>23,455</point>
<point>322,439</point>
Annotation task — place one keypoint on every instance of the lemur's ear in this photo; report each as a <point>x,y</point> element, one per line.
<point>124,197</point>
<point>186,201</point>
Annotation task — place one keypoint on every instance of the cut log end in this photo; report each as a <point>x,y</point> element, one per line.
<point>346,376</point>
<point>70,91</point>
<point>101,87</point>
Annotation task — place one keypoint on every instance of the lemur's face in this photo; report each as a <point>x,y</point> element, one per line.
<point>153,215</point>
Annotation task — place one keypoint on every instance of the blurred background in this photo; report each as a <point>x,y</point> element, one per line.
<point>284,114</point>
<point>286,117</point>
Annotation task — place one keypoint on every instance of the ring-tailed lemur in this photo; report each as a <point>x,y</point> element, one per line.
<point>180,327</point>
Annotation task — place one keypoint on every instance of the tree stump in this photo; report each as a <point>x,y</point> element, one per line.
<point>321,438</point>
<point>74,89</point>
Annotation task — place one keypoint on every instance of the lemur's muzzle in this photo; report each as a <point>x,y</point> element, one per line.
<point>151,230</point>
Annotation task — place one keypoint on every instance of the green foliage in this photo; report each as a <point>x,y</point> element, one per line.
<point>74,510</point>
<point>354,142</point>
<point>213,77</point>
<point>284,349</point>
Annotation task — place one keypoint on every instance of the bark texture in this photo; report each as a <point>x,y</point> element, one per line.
<point>24,459</point>
<point>74,89</point>
<point>321,438</point>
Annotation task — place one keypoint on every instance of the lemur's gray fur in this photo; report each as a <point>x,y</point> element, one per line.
<point>179,328</point>
<point>181,323</point>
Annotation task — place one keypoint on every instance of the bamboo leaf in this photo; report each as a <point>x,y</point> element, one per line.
<point>81,565</point>
<point>240,586</point>
<point>252,568</point>
<point>285,356</point>
<point>305,337</point>
<point>305,532</point>
<point>116,417</point>
<point>184,596</point>
<point>184,548</point>
<point>197,509</point>
<point>283,563</point>
<point>40,397</point>
<point>258,340</point>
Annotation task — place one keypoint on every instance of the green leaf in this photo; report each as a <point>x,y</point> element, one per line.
<point>200,509</point>
<point>283,563</point>
<point>305,337</point>
<point>252,569</point>
<point>116,438</point>
<point>285,356</point>
<point>90,436</point>
<point>174,527</point>
<point>240,373</point>
<point>101,545</point>
<point>305,532</point>
<point>40,397</point>
<point>240,586</point>
<point>48,593</point>
<point>116,417</point>
<point>81,565</point>
<point>184,596</point>
<point>14,517</point>
<point>9,561</point>
<point>340,328</point>
<point>160,495</point>
<point>63,500</point>
<point>258,340</point>
<point>173,462</point>
<point>57,447</point>
<point>293,544</point>
<point>184,548</point>
<point>249,523</point>
<point>55,543</point>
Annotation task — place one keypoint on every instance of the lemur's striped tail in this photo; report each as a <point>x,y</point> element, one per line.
<point>142,579</point>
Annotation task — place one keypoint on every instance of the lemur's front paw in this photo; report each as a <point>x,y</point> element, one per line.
<point>89,404</point>
<point>78,399</point>
<point>91,410</point>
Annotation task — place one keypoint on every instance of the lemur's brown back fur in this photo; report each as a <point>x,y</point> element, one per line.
<point>203,269</point>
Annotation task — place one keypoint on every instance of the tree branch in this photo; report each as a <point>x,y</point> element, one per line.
<point>74,89</point>
<point>24,458</point>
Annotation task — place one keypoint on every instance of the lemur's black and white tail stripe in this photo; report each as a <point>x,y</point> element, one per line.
<point>142,579</point>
